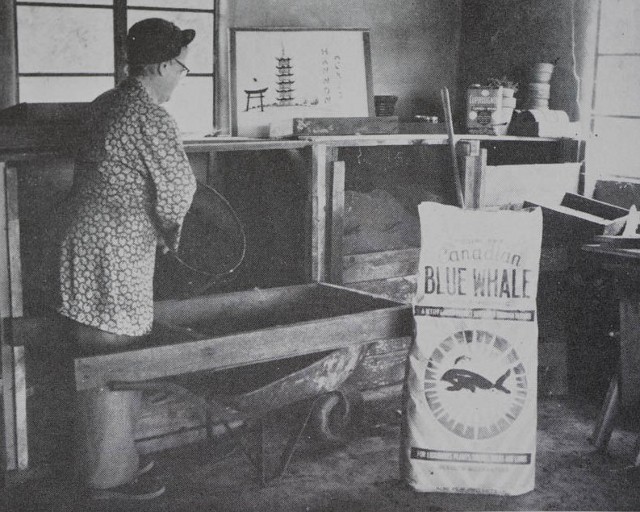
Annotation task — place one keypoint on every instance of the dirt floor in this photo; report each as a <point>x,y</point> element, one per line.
<point>363,475</point>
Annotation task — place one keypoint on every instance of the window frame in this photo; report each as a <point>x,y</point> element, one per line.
<point>597,112</point>
<point>120,10</point>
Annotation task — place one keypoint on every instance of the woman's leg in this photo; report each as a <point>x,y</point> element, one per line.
<point>105,420</point>
<point>105,429</point>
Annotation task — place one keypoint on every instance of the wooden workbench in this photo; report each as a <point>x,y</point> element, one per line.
<point>625,267</point>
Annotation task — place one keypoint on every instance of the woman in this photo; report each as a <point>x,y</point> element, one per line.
<point>132,188</point>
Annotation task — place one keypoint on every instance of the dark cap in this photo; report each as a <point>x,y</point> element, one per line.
<point>156,40</point>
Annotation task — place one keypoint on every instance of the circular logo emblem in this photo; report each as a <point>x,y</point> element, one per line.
<point>484,117</point>
<point>475,384</point>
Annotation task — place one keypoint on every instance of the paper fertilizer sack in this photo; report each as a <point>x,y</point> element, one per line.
<point>471,384</point>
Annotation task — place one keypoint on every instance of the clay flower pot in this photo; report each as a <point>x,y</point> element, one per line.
<point>541,72</point>
<point>539,90</point>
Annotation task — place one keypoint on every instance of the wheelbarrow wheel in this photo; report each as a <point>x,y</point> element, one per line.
<point>333,416</point>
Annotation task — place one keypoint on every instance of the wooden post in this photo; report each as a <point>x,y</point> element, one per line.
<point>221,114</point>
<point>8,54</point>
<point>336,227</point>
<point>473,162</point>
<point>120,43</point>
<point>629,351</point>
<point>8,405</point>
<point>15,453</point>
<point>322,158</point>
<point>15,276</point>
<point>607,415</point>
<point>14,392</point>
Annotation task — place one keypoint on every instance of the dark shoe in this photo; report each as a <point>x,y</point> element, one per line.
<point>138,490</point>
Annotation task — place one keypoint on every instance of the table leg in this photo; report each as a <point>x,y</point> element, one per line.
<point>630,349</point>
<point>606,418</point>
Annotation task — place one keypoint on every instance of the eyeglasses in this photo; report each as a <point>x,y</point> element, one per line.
<point>184,68</point>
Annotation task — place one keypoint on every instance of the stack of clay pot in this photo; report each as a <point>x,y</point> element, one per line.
<point>539,88</point>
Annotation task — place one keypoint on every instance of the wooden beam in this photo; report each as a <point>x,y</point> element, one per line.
<point>473,160</point>
<point>221,114</point>
<point>120,39</point>
<point>15,276</point>
<point>10,455</point>
<point>322,158</point>
<point>244,348</point>
<point>13,239</point>
<point>8,54</point>
<point>629,351</point>
<point>399,289</point>
<point>380,265</point>
<point>336,229</point>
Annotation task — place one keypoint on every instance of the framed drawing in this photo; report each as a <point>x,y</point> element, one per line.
<point>282,73</point>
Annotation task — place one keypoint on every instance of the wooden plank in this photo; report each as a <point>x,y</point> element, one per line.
<point>336,231</point>
<point>629,351</point>
<point>470,162</point>
<point>380,265</point>
<point>20,400</point>
<point>240,144</point>
<point>8,398</point>
<point>235,303</point>
<point>15,270</point>
<point>8,55</point>
<point>321,159</point>
<point>10,449</point>
<point>221,93</point>
<point>400,289</point>
<point>244,348</point>
<point>413,139</point>
<point>13,239</point>
<point>5,279</point>
<point>120,43</point>
<point>310,126</point>
<point>254,309</point>
<point>594,207</point>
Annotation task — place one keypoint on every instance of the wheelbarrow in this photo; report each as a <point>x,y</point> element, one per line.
<point>319,386</point>
<point>316,333</point>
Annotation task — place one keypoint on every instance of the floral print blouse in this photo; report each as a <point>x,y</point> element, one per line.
<point>132,188</point>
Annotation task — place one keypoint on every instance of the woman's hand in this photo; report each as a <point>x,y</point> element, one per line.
<point>162,246</point>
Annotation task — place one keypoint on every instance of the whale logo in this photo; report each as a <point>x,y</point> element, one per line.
<point>465,379</point>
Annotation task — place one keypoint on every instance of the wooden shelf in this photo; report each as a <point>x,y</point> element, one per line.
<point>408,139</point>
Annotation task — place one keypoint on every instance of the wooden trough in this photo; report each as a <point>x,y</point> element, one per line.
<point>229,330</point>
<point>290,344</point>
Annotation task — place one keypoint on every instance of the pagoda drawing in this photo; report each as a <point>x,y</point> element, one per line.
<point>284,81</point>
